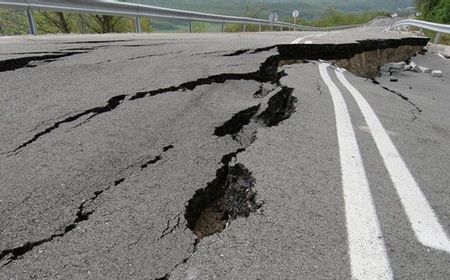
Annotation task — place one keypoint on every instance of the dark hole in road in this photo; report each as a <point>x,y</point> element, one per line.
<point>165,277</point>
<point>235,124</point>
<point>152,161</point>
<point>237,53</point>
<point>166,148</point>
<point>22,62</point>
<point>230,195</point>
<point>281,106</point>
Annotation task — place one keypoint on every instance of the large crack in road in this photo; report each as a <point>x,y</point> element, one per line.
<point>23,62</point>
<point>233,193</point>
<point>266,73</point>
<point>85,210</point>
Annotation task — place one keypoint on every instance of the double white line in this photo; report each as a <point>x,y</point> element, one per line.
<point>368,256</point>
<point>315,35</point>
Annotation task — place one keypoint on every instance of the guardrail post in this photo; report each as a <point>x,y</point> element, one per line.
<point>190,26</point>
<point>260,28</point>
<point>31,23</point>
<point>137,24</point>
<point>437,39</point>
<point>244,28</point>
<point>223,27</point>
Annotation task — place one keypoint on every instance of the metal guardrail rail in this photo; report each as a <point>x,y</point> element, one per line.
<point>437,27</point>
<point>108,7</point>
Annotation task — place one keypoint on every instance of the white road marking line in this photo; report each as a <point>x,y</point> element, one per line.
<point>308,42</point>
<point>315,35</point>
<point>423,220</point>
<point>297,41</point>
<point>368,257</point>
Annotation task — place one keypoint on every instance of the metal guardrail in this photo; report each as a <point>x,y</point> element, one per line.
<point>108,7</point>
<point>437,27</point>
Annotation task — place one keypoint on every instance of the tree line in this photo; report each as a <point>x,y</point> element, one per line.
<point>434,10</point>
<point>14,22</point>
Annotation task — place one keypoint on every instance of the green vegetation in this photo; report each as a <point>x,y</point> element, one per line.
<point>334,18</point>
<point>309,9</point>
<point>338,12</point>
<point>435,11</point>
<point>14,22</point>
<point>330,18</point>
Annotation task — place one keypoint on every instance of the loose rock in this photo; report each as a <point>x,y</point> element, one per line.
<point>437,73</point>
<point>424,69</point>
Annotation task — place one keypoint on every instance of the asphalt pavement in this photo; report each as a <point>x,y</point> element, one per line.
<point>202,156</point>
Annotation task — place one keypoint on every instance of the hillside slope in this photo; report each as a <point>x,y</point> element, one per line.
<point>307,8</point>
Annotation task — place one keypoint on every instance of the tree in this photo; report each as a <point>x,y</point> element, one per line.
<point>102,23</point>
<point>434,10</point>
<point>111,24</point>
<point>251,11</point>
<point>14,22</point>
<point>56,20</point>
<point>199,27</point>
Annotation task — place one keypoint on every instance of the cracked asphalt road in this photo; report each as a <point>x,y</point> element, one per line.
<point>105,140</point>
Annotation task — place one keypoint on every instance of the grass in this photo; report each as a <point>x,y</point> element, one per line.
<point>334,18</point>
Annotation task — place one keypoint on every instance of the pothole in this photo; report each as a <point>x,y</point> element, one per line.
<point>280,107</point>
<point>230,195</point>
<point>235,124</point>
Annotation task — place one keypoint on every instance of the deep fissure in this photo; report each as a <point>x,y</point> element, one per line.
<point>237,53</point>
<point>232,193</point>
<point>268,72</point>
<point>235,124</point>
<point>280,107</point>
<point>22,62</point>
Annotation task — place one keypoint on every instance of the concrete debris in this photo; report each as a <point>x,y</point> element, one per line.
<point>436,73</point>
<point>424,69</point>
<point>413,66</point>
<point>396,67</point>
<point>408,67</point>
<point>439,49</point>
